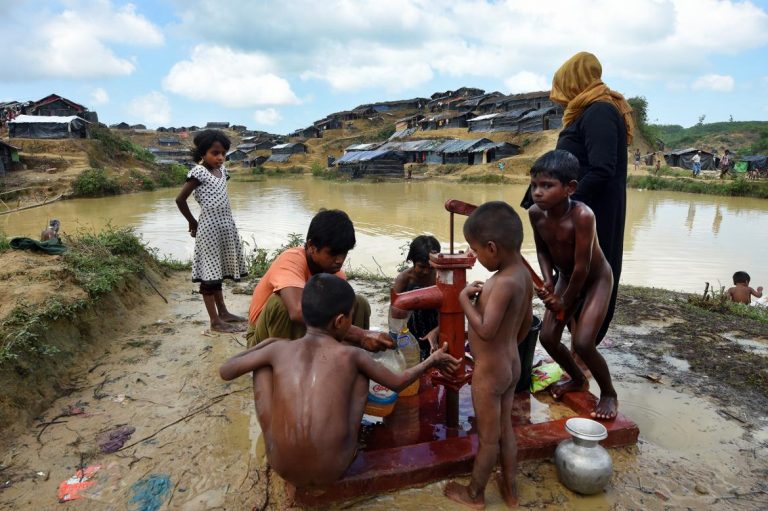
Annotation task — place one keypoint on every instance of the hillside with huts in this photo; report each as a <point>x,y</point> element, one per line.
<point>55,147</point>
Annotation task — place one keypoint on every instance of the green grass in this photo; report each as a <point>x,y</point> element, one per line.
<point>5,242</point>
<point>717,301</point>
<point>169,263</point>
<point>732,187</point>
<point>483,178</point>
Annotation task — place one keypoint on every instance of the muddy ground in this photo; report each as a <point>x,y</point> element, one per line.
<point>682,374</point>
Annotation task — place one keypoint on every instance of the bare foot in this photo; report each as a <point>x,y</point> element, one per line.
<point>231,318</point>
<point>508,495</point>
<point>607,408</point>
<point>226,328</point>
<point>459,493</point>
<point>563,387</point>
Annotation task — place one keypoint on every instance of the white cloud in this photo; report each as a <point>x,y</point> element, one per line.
<point>526,81</point>
<point>268,116</point>
<point>714,82</point>
<point>402,44</point>
<point>76,42</point>
<point>229,78</point>
<point>99,96</point>
<point>153,108</point>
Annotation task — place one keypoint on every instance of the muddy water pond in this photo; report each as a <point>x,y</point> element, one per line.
<point>673,240</point>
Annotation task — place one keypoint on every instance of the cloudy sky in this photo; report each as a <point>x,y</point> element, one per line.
<point>277,66</point>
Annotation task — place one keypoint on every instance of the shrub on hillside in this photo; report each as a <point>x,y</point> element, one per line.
<point>171,175</point>
<point>95,183</point>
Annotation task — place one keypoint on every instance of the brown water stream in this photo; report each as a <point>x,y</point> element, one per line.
<point>673,240</point>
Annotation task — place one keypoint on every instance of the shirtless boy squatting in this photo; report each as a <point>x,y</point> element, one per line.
<point>577,277</point>
<point>498,322</point>
<point>310,393</point>
<point>741,292</point>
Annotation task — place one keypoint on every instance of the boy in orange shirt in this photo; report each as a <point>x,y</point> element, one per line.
<point>275,309</point>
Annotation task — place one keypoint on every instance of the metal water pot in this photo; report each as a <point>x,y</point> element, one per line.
<point>583,465</point>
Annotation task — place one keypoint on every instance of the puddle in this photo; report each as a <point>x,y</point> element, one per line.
<point>677,363</point>
<point>758,347</point>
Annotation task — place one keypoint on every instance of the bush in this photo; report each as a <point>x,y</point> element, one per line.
<point>483,178</point>
<point>738,187</point>
<point>171,175</point>
<point>5,242</point>
<point>95,183</point>
<point>260,259</point>
<point>115,147</point>
<point>100,261</point>
<point>143,180</point>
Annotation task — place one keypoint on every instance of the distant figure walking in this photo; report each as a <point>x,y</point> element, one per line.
<point>725,163</point>
<point>637,159</point>
<point>696,163</point>
<point>218,249</point>
<point>51,232</point>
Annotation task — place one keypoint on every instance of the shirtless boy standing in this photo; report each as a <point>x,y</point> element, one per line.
<point>498,321</point>
<point>741,292</point>
<point>310,393</point>
<point>577,277</point>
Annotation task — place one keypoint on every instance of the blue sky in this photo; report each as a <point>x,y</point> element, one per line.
<point>278,66</point>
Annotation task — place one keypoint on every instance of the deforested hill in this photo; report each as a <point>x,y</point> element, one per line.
<point>741,137</point>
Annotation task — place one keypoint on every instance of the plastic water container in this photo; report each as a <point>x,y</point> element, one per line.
<point>381,399</point>
<point>405,343</point>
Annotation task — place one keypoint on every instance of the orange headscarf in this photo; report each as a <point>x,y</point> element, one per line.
<point>578,84</point>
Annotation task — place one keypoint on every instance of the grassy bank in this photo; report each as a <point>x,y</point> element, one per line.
<point>97,263</point>
<point>731,187</point>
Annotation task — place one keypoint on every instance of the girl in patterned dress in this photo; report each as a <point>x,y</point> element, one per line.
<point>218,249</point>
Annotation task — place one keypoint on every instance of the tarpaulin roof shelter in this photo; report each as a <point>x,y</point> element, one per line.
<point>757,161</point>
<point>459,146</point>
<point>8,156</point>
<point>683,158</point>
<point>378,162</point>
<point>44,126</point>
<point>279,158</point>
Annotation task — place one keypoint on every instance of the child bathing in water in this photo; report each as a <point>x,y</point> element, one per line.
<point>741,292</point>
<point>310,393</point>
<point>218,250</point>
<point>577,277</point>
<point>498,321</point>
<point>423,324</point>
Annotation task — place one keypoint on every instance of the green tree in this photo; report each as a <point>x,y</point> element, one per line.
<point>650,132</point>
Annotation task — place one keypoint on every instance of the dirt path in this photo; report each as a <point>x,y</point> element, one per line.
<point>198,439</point>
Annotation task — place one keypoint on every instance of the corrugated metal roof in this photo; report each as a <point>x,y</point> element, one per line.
<point>484,117</point>
<point>493,145</point>
<point>363,147</point>
<point>539,112</point>
<point>460,146</point>
<point>357,156</point>
<point>280,158</point>
<point>403,133</point>
<point>285,146</point>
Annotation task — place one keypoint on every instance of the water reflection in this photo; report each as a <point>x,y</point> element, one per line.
<point>672,240</point>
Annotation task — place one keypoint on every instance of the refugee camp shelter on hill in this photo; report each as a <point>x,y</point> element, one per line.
<point>683,158</point>
<point>9,157</point>
<point>758,161</point>
<point>371,163</point>
<point>55,105</point>
<point>282,152</point>
<point>217,125</point>
<point>461,151</point>
<point>39,126</point>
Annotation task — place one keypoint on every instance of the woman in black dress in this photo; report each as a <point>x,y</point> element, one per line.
<point>597,130</point>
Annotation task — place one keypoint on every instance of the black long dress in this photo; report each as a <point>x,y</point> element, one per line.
<point>598,139</point>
